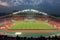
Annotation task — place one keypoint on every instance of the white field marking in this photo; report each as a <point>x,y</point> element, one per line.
<point>12,25</point>
<point>51,25</point>
<point>48,24</point>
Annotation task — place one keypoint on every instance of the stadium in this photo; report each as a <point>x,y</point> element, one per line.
<point>29,22</point>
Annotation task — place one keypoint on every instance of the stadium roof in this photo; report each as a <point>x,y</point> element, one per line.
<point>30,10</point>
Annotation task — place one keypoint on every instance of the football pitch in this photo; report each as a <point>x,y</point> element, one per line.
<point>31,25</point>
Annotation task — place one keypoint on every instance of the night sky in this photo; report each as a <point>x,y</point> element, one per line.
<point>51,7</point>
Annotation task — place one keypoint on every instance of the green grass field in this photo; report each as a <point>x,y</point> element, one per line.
<point>31,25</point>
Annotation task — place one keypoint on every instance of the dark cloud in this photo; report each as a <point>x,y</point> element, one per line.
<point>48,6</point>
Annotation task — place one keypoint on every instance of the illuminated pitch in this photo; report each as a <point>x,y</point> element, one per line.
<point>31,25</point>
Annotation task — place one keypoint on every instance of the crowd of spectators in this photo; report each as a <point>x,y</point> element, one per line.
<point>5,37</point>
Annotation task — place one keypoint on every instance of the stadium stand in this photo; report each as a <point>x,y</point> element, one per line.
<point>7,21</point>
<point>5,37</point>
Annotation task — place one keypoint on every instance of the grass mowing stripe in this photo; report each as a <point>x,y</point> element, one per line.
<point>31,25</point>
